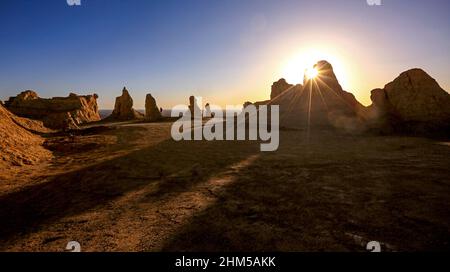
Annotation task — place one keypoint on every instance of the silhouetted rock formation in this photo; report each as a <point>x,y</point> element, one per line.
<point>257,104</point>
<point>246,104</point>
<point>413,102</point>
<point>152,113</point>
<point>284,100</point>
<point>18,146</point>
<point>123,108</point>
<point>193,106</point>
<point>320,102</point>
<point>279,87</point>
<point>207,113</point>
<point>58,112</point>
<point>261,103</point>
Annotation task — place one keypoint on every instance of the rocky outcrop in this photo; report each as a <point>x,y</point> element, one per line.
<point>279,87</point>
<point>261,103</point>
<point>246,104</point>
<point>152,113</point>
<point>58,112</point>
<point>413,102</point>
<point>287,96</point>
<point>123,108</point>
<point>18,146</point>
<point>207,113</point>
<point>194,106</point>
<point>257,104</point>
<point>320,102</point>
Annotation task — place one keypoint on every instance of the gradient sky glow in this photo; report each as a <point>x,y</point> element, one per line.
<point>228,51</point>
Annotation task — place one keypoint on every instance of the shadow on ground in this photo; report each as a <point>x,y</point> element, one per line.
<point>332,193</point>
<point>172,166</point>
<point>335,193</point>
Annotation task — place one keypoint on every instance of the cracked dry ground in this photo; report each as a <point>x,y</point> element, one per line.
<point>131,188</point>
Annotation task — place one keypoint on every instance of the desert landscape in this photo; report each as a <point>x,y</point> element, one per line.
<point>248,128</point>
<point>343,175</point>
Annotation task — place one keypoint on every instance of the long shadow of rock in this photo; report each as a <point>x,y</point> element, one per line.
<point>320,197</point>
<point>174,165</point>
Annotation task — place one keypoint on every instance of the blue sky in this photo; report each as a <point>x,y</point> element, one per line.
<point>228,51</point>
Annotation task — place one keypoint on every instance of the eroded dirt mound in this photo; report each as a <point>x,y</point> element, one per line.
<point>18,146</point>
<point>57,112</point>
<point>34,126</point>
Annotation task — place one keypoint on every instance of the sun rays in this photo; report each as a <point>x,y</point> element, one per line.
<point>300,65</point>
<point>311,73</point>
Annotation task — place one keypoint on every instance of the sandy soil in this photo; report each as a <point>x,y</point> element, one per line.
<point>18,145</point>
<point>130,187</point>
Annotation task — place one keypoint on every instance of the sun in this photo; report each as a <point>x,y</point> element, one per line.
<point>311,73</point>
<point>300,65</point>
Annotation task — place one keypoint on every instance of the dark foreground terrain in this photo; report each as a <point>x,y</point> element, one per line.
<point>130,187</point>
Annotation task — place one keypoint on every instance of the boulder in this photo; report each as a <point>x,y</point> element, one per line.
<point>123,108</point>
<point>413,102</point>
<point>152,113</point>
<point>58,112</point>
